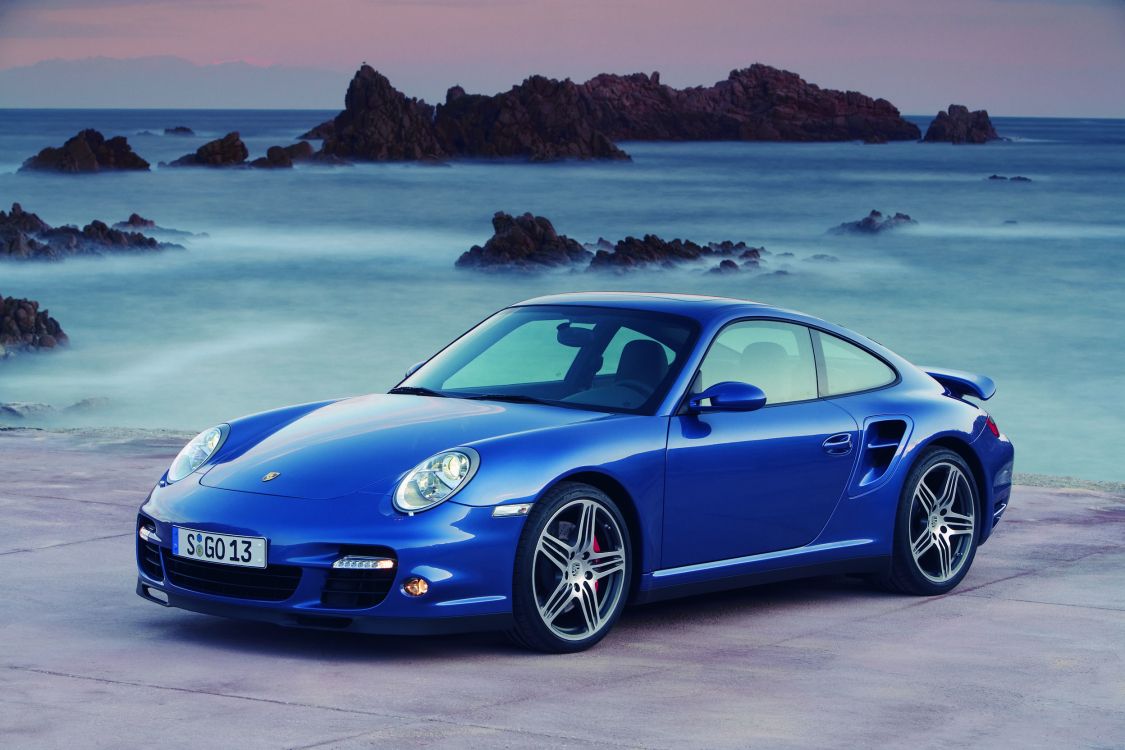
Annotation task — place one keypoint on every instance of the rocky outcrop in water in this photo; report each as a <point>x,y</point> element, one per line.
<point>283,156</point>
<point>24,327</point>
<point>181,130</point>
<point>959,125</point>
<point>380,123</point>
<point>1014,178</point>
<point>319,132</point>
<point>228,151</point>
<point>523,243</point>
<point>24,236</point>
<point>530,243</point>
<point>543,119</point>
<point>874,223</point>
<point>758,103</point>
<point>88,151</point>
<point>651,251</point>
<point>135,221</point>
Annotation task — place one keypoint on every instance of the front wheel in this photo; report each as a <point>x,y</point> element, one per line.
<point>937,529</point>
<point>572,572</point>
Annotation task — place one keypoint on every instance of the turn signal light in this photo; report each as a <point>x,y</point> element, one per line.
<point>511,511</point>
<point>416,586</point>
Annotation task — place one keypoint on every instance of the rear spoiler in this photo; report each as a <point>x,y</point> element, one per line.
<point>961,383</point>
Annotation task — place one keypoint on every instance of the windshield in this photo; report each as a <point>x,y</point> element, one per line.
<point>584,357</point>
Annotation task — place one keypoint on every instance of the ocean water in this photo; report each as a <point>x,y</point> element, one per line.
<point>323,282</point>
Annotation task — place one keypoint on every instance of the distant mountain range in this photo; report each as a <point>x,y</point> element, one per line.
<point>168,82</point>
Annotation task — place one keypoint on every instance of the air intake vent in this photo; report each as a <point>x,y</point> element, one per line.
<point>275,583</point>
<point>148,553</point>
<point>881,441</point>
<point>358,589</point>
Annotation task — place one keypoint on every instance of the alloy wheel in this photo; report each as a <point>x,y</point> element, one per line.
<point>942,520</point>
<point>579,569</point>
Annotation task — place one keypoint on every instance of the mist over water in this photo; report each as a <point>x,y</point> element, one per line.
<point>323,282</point>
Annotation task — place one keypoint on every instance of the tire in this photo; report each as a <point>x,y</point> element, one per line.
<point>573,567</point>
<point>937,527</point>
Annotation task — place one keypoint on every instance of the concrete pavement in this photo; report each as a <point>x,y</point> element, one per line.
<point>1028,652</point>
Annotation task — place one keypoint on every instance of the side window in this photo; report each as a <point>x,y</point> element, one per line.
<point>776,357</point>
<point>611,357</point>
<point>529,353</point>
<point>848,368</point>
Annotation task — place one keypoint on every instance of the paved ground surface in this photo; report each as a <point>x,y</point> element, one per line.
<point>1029,652</point>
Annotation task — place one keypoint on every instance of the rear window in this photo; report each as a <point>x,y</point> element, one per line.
<point>849,369</point>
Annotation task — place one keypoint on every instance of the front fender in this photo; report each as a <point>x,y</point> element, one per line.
<point>628,449</point>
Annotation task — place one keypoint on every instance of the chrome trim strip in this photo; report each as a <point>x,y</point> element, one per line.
<point>779,554</point>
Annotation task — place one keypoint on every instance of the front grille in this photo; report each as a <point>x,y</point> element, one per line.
<point>148,553</point>
<point>356,589</point>
<point>275,583</point>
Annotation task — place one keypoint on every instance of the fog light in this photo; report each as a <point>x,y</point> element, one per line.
<point>416,586</point>
<point>157,594</point>
<point>148,535</point>
<point>356,562</point>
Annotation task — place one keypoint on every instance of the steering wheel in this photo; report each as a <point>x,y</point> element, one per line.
<point>644,389</point>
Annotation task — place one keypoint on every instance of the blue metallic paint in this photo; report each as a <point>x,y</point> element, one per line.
<point>702,521</point>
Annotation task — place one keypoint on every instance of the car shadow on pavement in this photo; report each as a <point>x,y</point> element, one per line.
<point>737,607</point>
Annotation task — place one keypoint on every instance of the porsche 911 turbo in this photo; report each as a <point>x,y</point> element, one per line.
<point>574,453</point>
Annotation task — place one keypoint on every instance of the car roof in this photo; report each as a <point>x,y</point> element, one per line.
<point>700,307</point>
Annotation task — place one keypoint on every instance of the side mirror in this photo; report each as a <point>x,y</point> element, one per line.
<point>414,368</point>
<point>728,396</point>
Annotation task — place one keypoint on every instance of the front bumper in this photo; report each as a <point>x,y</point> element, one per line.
<point>464,553</point>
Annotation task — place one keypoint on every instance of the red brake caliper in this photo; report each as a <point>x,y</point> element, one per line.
<point>597,549</point>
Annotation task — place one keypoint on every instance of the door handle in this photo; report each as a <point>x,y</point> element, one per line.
<point>838,445</point>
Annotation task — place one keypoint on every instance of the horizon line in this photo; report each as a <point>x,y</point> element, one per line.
<point>340,109</point>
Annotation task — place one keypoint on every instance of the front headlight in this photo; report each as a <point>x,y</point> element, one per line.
<point>198,452</point>
<point>436,479</point>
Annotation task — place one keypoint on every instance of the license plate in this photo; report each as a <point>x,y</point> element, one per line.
<point>226,549</point>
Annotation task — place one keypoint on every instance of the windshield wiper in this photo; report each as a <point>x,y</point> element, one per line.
<point>414,390</point>
<point>515,398</point>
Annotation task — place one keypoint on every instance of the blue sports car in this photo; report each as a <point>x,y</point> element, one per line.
<point>577,452</point>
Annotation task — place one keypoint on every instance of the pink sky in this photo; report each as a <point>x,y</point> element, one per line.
<point>1046,57</point>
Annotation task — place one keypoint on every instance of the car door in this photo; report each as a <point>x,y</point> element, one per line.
<point>744,483</point>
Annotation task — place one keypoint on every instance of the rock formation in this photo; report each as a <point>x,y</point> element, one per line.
<point>543,119</point>
<point>530,243</point>
<point>135,221</point>
<point>24,327</point>
<point>24,236</point>
<point>523,243</point>
<point>88,151</point>
<point>179,130</point>
<point>379,123</point>
<point>228,151</point>
<point>959,125</point>
<point>652,251</point>
<point>319,132</point>
<point>284,156</point>
<point>759,103</point>
<point>874,223</point>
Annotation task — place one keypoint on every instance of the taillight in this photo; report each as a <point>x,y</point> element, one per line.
<point>992,427</point>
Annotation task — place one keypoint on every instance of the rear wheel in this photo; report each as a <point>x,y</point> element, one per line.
<point>573,566</point>
<point>937,527</point>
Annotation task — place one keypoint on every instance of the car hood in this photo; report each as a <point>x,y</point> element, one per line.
<point>369,442</point>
